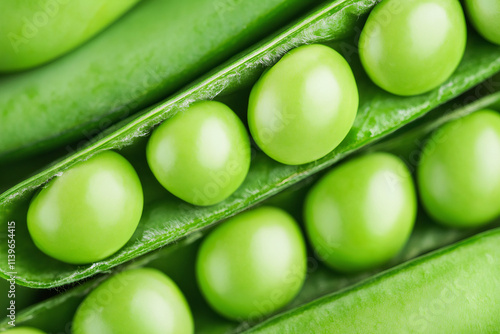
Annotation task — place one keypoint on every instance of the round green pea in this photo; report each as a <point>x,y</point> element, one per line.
<point>253,264</point>
<point>89,212</point>
<point>459,171</point>
<point>304,106</point>
<point>485,17</point>
<point>409,47</point>
<point>360,214</point>
<point>201,155</point>
<point>135,301</point>
<point>23,330</point>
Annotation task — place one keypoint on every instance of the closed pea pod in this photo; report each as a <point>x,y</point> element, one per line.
<point>304,106</point>
<point>35,32</point>
<point>361,213</point>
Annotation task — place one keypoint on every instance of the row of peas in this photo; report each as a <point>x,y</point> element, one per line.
<point>299,111</point>
<point>357,216</point>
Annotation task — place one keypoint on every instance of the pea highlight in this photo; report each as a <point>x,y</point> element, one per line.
<point>410,47</point>
<point>485,17</point>
<point>135,301</point>
<point>304,106</point>
<point>458,173</point>
<point>201,155</point>
<point>23,330</point>
<point>361,214</point>
<point>253,264</point>
<point>89,212</point>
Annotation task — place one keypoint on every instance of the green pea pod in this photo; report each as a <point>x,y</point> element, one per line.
<point>149,53</point>
<point>453,290</point>
<point>166,219</point>
<point>173,260</point>
<point>178,260</point>
<point>35,32</point>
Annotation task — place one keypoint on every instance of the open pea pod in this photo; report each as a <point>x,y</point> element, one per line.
<point>427,236</point>
<point>166,219</point>
<point>152,51</point>
<point>55,314</point>
<point>178,261</point>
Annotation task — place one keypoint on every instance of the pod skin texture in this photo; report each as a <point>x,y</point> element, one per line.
<point>458,173</point>
<point>485,17</point>
<point>361,213</point>
<point>202,154</point>
<point>453,290</point>
<point>135,301</point>
<point>35,32</point>
<point>89,212</point>
<point>303,106</point>
<point>253,264</point>
<point>152,51</point>
<point>409,47</point>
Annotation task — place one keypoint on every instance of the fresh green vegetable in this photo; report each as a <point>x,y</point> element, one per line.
<point>35,32</point>
<point>92,322</point>
<point>135,301</point>
<point>304,106</point>
<point>458,173</point>
<point>453,290</point>
<point>166,219</point>
<point>151,52</point>
<point>253,264</point>
<point>361,214</point>
<point>24,330</point>
<point>410,47</point>
<point>485,17</point>
<point>54,314</point>
<point>201,155</point>
<point>89,212</point>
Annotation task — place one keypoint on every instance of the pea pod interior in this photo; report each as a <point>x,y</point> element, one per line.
<point>152,51</point>
<point>177,261</point>
<point>448,291</point>
<point>165,219</point>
